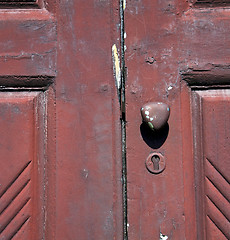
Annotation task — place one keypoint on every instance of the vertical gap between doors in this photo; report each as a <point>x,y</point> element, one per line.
<point>123,122</point>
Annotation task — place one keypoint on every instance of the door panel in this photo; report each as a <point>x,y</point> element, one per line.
<point>27,70</point>
<point>23,164</point>
<point>212,164</point>
<point>89,199</point>
<point>65,142</point>
<point>174,48</point>
<point>70,148</point>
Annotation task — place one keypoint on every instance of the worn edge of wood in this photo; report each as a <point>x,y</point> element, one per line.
<point>197,126</point>
<point>210,3</point>
<point>188,162</point>
<point>210,76</point>
<point>38,4</point>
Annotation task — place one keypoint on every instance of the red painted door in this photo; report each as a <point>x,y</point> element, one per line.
<point>178,53</point>
<point>60,154</point>
<point>62,147</point>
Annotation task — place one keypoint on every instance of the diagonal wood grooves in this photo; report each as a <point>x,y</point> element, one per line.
<point>209,161</point>
<point>17,221</point>
<point>221,211</point>
<point>217,226</point>
<point>19,228</point>
<point>217,218</point>
<point>217,189</point>
<point>16,213</point>
<point>217,198</point>
<point>15,206</point>
<point>14,203</point>
<point>15,179</point>
<point>217,180</point>
<point>11,200</point>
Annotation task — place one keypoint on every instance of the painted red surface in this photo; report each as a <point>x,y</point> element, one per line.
<point>60,121</point>
<point>172,44</point>
<point>60,144</point>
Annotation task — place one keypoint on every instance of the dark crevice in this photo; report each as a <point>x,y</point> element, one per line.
<point>123,123</point>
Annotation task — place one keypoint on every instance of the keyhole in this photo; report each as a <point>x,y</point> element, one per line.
<point>155,160</point>
<point>155,163</point>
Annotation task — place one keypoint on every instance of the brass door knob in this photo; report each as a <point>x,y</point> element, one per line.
<point>155,114</point>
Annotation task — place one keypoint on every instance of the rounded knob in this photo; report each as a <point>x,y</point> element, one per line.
<point>155,114</point>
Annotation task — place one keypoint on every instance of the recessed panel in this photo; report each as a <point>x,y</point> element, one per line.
<point>212,2</point>
<point>21,165</point>
<point>212,166</point>
<point>19,3</point>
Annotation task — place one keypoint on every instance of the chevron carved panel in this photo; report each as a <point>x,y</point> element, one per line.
<point>20,165</point>
<point>213,169</point>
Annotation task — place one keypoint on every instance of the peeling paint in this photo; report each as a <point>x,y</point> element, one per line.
<point>116,66</point>
<point>163,237</point>
<point>124,4</point>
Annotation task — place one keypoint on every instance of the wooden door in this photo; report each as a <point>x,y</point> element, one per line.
<point>177,52</point>
<point>61,158</point>
<point>60,154</point>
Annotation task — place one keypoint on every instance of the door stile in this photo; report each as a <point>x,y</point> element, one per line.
<point>188,162</point>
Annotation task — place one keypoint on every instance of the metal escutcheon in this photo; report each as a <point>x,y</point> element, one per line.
<point>155,163</point>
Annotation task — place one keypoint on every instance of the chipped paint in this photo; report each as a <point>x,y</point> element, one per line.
<point>163,237</point>
<point>116,66</point>
<point>124,4</point>
<point>151,125</point>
